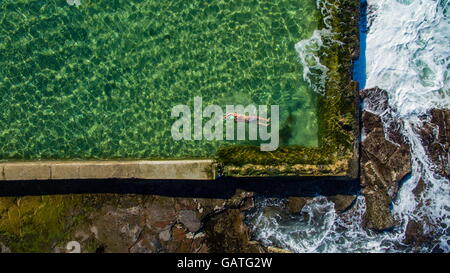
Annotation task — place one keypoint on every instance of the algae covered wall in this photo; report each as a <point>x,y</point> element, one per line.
<point>337,153</point>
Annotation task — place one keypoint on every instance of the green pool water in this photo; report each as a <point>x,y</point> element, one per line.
<point>98,81</point>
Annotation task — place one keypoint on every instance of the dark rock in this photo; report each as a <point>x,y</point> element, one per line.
<point>399,164</point>
<point>124,223</point>
<point>182,241</point>
<point>437,249</point>
<point>378,114</point>
<point>413,233</point>
<point>377,215</point>
<point>420,187</point>
<point>416,236</point>
<point>248,203</point>
<point>375,100</point>
<point>385,159</point>
<point>159,213</point>
<point>390,163</point>
<point>227,233</point>
<point>296,204</point>
<point>377,146</point>
<point>435,136</point>
<point>4,249</point>
<point>115,228</point>
<point>190,220</point>
<point>371,121</point>
<point>239,198</point>
<point>441,118</point>
<point>393,130</point>
<point>342,202</point>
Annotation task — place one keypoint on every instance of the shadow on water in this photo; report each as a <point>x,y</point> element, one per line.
<point>220,188</point>
<point>359,65</point>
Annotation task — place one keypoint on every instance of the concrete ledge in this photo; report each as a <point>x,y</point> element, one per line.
<point>168,169</point>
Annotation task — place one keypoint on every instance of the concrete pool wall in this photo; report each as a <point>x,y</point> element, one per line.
<point>141,169</point>
<point>205,169</point>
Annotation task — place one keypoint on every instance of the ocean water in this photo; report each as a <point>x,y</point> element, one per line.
<point>407,53</point>
<point>98,79</point>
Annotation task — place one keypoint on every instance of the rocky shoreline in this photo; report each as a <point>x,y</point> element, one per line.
<point>125,223</point>
<point>386,158</point>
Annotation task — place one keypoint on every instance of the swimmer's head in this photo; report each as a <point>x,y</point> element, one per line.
<point>230,117</point>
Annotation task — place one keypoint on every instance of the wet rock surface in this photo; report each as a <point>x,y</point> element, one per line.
<point>296,204</point>
<point>126,223</point>
<point>385,159</point>
<point>229,234</point>
<point>341,202</point>
<point>415,235</point>
<point>435,137</point>
<point>434,133</point>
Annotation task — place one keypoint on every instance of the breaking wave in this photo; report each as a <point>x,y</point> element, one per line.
<point>308,51</point>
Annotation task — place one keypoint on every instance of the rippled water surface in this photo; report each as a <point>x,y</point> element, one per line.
<point>98,80</point>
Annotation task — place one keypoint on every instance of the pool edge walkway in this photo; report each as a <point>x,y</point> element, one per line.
<point>140,169</point>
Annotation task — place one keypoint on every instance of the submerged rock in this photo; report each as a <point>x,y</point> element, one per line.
<point>415,234</point>
<point>296,204</point>
<point>342,202</point>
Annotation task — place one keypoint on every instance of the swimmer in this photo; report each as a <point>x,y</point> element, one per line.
<point>242,118</point>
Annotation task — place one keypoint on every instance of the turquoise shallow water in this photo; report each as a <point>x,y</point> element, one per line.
<point>99,80</point>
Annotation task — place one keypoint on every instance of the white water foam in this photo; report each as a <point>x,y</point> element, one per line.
<point>314,72</point>
<point>299,233</point>
<point>408,55</point>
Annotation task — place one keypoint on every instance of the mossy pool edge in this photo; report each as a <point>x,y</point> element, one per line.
<point>205,169</point>
<point>338,111</point>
